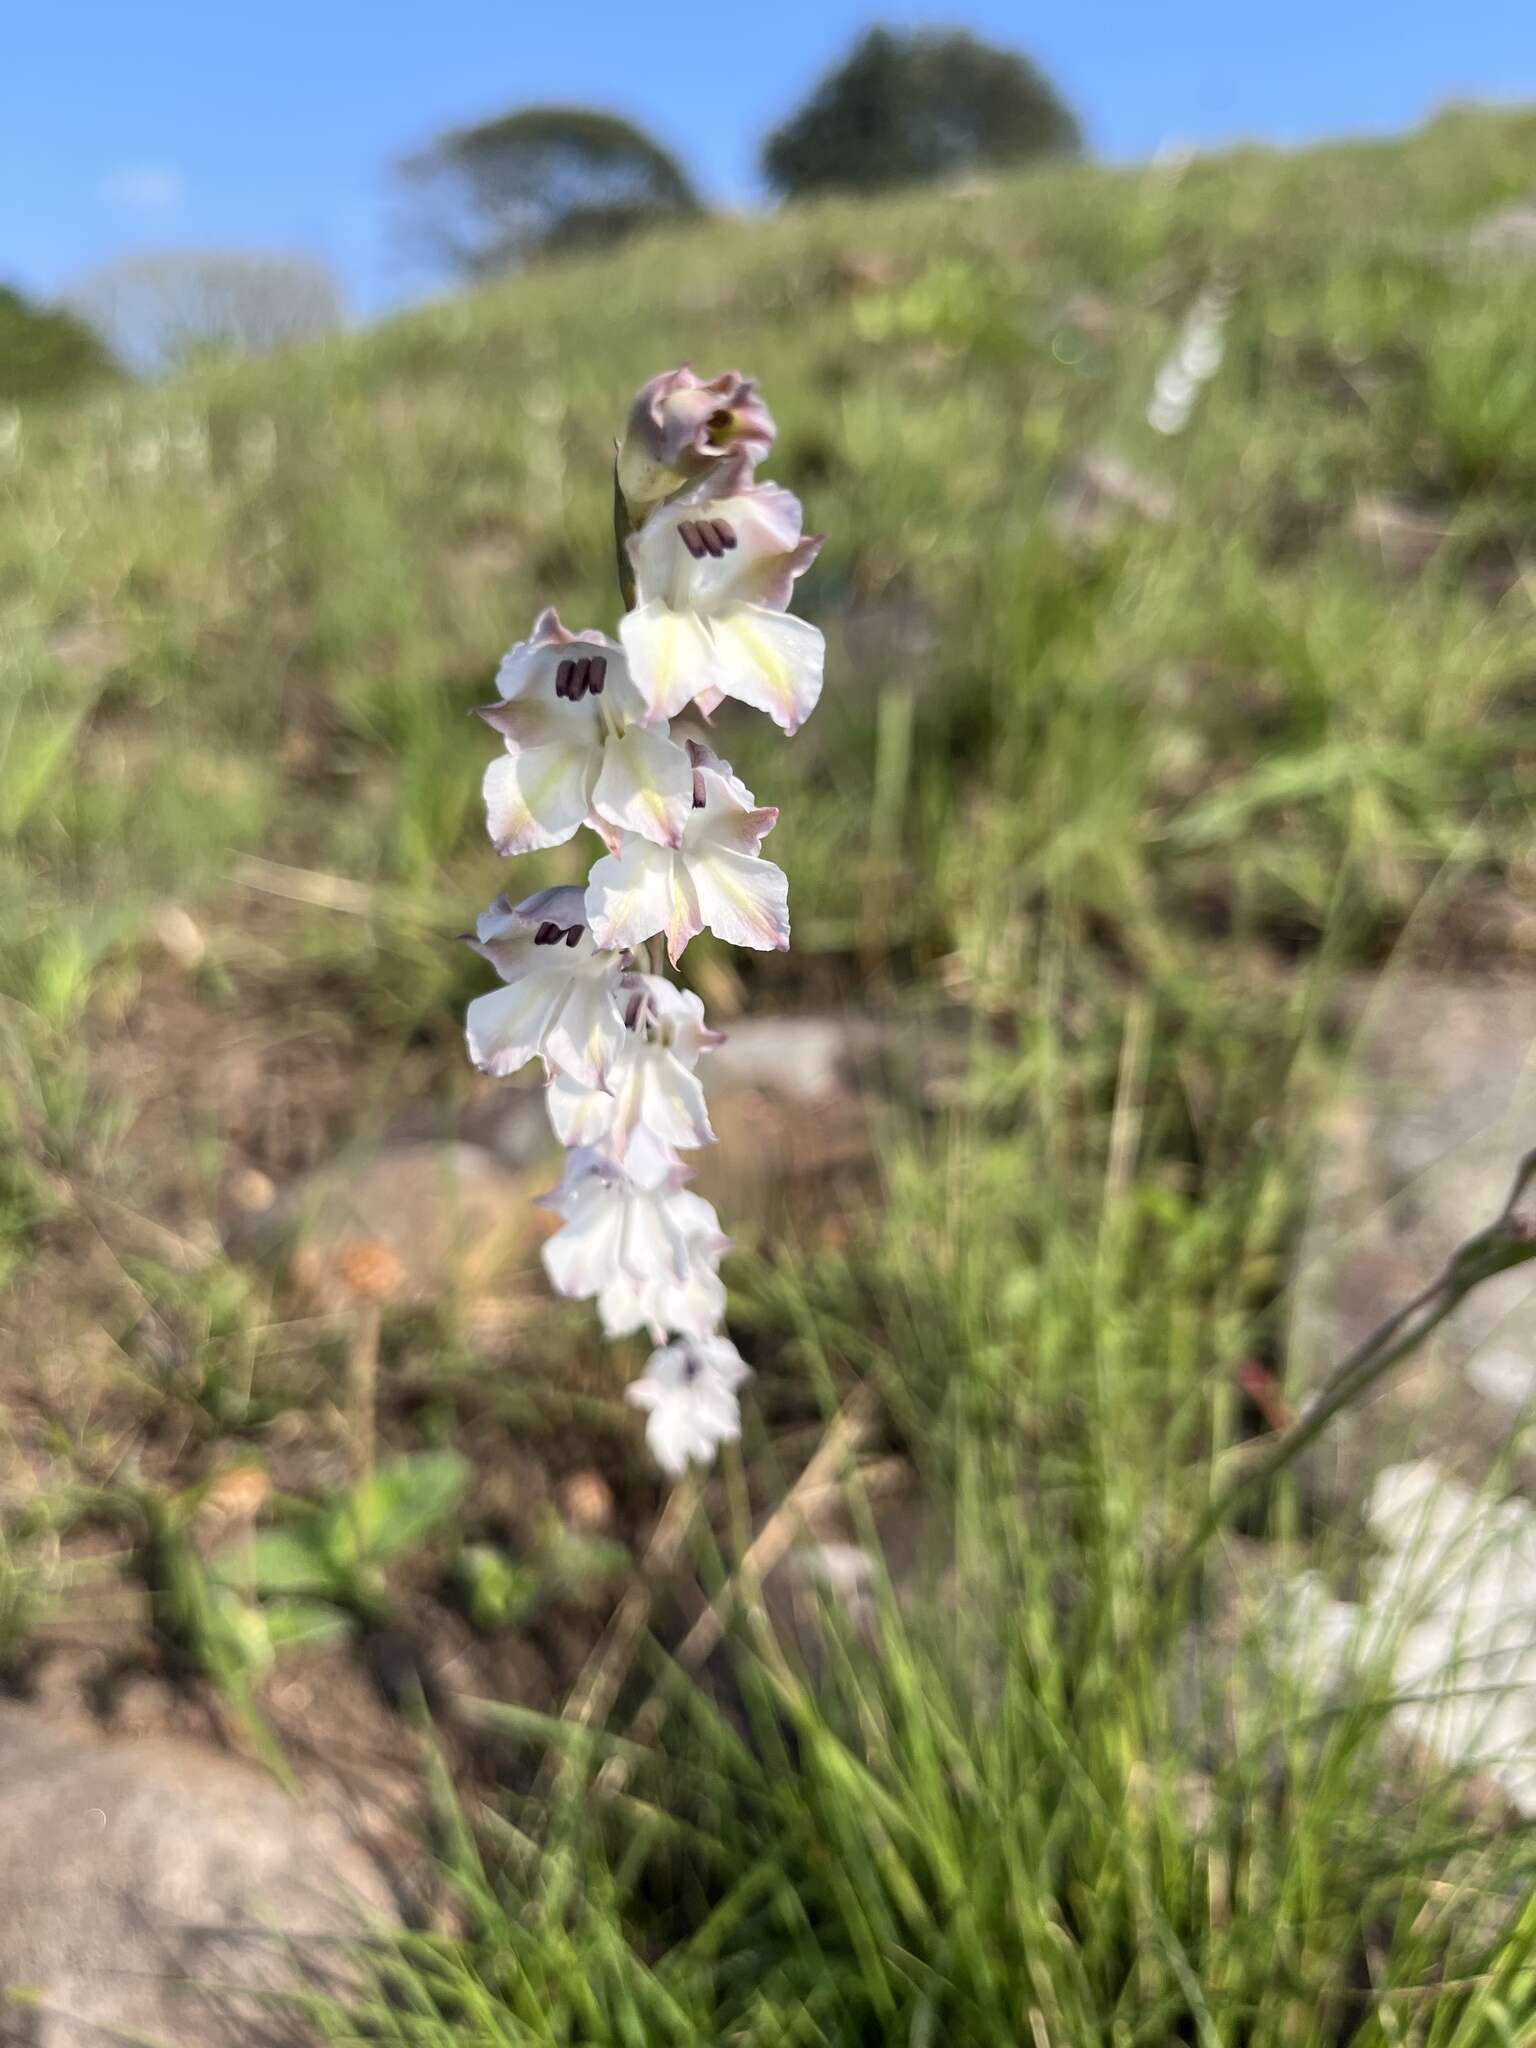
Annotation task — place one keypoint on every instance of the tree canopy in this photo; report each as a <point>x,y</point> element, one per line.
<point>484,199</point>
<point>46,352</point>
<point>906,109</point>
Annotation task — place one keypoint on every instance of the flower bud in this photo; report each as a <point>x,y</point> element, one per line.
<point>679,426</point>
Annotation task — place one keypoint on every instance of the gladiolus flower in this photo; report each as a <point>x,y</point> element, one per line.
<point>679,427</point>
<point>648,1255</point>
<point>714,569</point>
<point>652,1106</point>
<point>561,1002</point>
<point>688,1390</point>
<point>578,752</point>
<point>714,879</point>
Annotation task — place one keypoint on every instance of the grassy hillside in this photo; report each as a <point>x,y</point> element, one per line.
<point>1110,792</point>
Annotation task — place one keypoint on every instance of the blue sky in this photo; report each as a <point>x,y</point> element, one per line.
<point>173,121</point>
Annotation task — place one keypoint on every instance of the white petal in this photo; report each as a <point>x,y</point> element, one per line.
<point>770,660</point>
<point>587,1033</point>
<point>581,1255</point>
<point>506,1028</point>
<point>660,1110</point>
<point>671,657</point>
<point>693,1306</point>
<point>579,1115</point>
<point>639,891</point>
<point>537,798</point>
<point>646,785</point>
<point>742,898</point>
<point>766,520</point>
<point>528,669</point>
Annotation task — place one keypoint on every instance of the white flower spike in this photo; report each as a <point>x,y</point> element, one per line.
<point>584,722</point>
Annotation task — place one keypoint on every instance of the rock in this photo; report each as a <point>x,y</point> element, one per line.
<point>1421,1152</point>
<point>455,1218</point>
<point>144,1886</point>
<point>1446,1622</point>
<point>805,1058</point>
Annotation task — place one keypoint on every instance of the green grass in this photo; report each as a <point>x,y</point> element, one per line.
<point>1131,806</point>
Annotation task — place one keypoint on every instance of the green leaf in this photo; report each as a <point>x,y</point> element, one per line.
<point>289,1560</point>
<point>304,1624</point>
<point>404,1501</point>
<point>497,1592</point>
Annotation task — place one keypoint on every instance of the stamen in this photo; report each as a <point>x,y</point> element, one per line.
<point>710,538</point>
<point>632,1010</point>
<point>563,678</point>
<point>698,790</point>
<point>597,674</point>
<point>692,539</point>
<point>547,934</point>
<point>573,936</point>
<point>725,533</point>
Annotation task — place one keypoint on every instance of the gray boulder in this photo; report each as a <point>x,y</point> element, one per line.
<point>148,1889</point>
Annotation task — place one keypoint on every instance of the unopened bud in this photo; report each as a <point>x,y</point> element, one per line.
<point>679,427</point>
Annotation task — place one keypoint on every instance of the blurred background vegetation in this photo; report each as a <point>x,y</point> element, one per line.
<point>1137,749</point>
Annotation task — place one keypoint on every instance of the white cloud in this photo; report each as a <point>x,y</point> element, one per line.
<point>143,188</point>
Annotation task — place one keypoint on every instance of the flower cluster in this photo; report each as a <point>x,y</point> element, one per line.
<point>614,736</point>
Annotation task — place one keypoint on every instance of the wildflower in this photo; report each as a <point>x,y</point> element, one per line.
<point>651,1106</point>
<point>713,879</point>
<point>714,569</point>
<point>648,1255</point>
<point>561,1001</point>
<point>577,750</point>
<point>688,1390</point>
<point>679,427</point>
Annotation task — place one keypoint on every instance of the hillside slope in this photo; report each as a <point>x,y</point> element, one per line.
<point>1135,747</point>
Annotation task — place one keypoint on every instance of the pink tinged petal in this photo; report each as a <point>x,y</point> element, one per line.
<point>646,786</point>
<point>770,660</point>
<point>671,657</point>
<point>506,1029</point>
<point>742,899</point>
<point>538,798</point>
<point>528,669</point>
<point>757,567</point>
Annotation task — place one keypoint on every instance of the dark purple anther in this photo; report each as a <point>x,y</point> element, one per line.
<point>698,790</point>
<point>573,936</point>
<point>692,539</point>
<point>563,678</point>
<point>597,674</point>
<point>725,533</point>
<point>632,1011</point>
<point>547,934</point>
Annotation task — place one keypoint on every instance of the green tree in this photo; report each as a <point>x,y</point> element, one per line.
<point>484,199</point>
<point>45,352</point>
<point>905,109</point>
